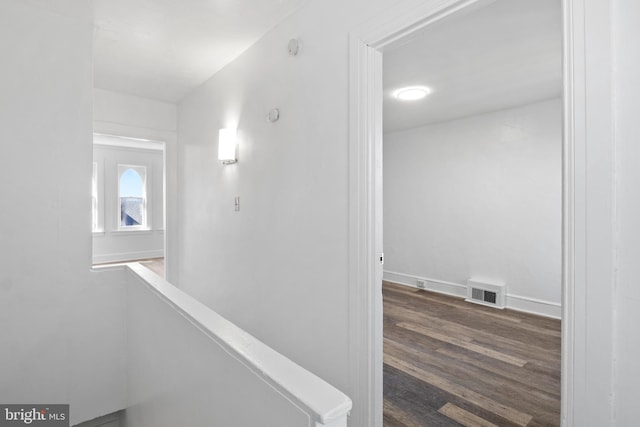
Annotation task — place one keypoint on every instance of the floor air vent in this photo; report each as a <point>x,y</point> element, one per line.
<point>486,293</point>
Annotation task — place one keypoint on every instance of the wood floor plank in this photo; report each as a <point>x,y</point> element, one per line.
<point>457,303</point>
<point>506,388</point>
<point>416,402</point>
<point>464,343</point>
<point>526,321</point>
<point>466,418</point>
<point>531,378</point>
<point>390,287</point>
<point>477,321</point>
<point>399,416</point>
<point>519,345</point>
<point>443,350</point>
<point>511,414</point>
<point>510,315</point>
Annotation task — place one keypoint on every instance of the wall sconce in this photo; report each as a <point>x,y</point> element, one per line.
<point>227,146</point>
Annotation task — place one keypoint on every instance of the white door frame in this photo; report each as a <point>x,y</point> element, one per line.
<point>584,100</point>
<point>170,140</point>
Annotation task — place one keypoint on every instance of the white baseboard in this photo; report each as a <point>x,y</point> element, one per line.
<point>127,256</point>
<point>534,306</point>
<point>441,286</point>
<point>514,302</point>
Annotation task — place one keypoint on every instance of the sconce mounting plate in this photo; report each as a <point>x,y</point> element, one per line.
<point>294,47</point>
<point>273,115</point>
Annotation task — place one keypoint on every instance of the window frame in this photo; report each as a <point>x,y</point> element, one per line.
<point>142,170</point>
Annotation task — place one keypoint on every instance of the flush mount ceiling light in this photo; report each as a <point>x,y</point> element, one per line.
<point>412,93</point>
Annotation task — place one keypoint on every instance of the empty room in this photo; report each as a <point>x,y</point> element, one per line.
<point>473,219</point>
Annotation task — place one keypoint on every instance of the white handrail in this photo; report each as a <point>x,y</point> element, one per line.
<point>321,401</point>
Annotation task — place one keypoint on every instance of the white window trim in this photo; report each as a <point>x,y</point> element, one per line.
<point>143,170</point>
<point>97,191</point>
<point>94,199</point>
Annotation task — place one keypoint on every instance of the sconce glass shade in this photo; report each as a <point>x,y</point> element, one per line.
<point>227,145</point>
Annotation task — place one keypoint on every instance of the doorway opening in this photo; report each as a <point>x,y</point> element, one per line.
<point>367,95</point>
<point>472,189</point>
<point>128,201</point>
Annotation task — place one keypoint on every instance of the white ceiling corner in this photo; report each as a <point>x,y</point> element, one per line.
<point>500,56</point>
<point>163,49</point>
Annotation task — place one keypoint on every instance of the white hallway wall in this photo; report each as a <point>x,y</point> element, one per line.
<point>279,267</point>
<point>478,197</point>
<point>61,327</point>
<point>131,114</point>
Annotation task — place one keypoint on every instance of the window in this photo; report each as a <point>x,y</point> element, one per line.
<point>132,197</point>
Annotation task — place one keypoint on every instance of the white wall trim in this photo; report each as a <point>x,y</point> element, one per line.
<point>123,142</point>
<point>435,285</point>
<point>534,306</point>
<point>127,256</point>
<point>568,378</point>
<point>588,248</point>
<point>128,232</point>
<point>171,197</point>
<point>514,302</point>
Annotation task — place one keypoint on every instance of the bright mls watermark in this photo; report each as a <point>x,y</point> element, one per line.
<point>34,415</point>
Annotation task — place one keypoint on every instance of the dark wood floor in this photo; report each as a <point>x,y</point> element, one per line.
<point>448,362</point>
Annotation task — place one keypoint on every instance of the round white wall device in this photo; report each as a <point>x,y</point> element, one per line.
<point>273,115</point>
<point>294,47</point>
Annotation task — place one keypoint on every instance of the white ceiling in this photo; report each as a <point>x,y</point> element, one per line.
<point>505,54</point>
<point>163,49</point>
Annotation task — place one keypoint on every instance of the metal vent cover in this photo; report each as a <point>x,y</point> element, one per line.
<point>490,297</point>
<point>486,293</point>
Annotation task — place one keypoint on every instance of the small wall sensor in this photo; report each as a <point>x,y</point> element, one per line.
<point>273,115</point>
<point>294,47</point>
